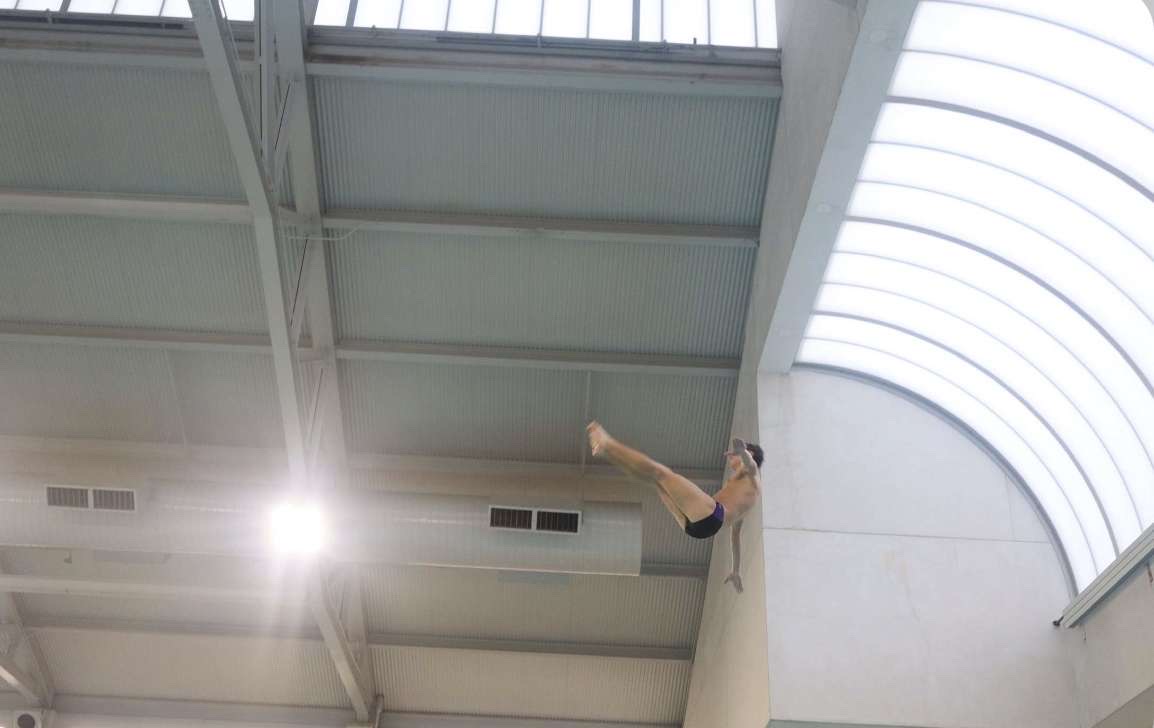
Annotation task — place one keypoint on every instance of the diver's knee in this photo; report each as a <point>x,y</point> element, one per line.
<point>661,473</point>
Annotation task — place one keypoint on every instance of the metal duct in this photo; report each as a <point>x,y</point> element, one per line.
<point>363,527</point>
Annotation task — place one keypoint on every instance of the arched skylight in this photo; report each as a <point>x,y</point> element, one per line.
<point>997,256</point>
<point>741,23</point>
<point>233,9</point>
<point>748,23</point>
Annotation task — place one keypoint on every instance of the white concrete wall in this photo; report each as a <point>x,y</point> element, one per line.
<point>817,39</point>
<point>1112,650</point>
<point>909,582</point>
<point>729,685</point>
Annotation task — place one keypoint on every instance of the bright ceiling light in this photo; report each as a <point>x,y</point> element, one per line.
<point>297,528</point>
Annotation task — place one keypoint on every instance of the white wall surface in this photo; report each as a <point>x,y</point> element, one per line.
<point>909,582</point>
<point>817,40</point>
<point>1112,650</point>
<point>729,685</point>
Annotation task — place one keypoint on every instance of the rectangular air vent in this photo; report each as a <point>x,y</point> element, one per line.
<point>62,496</point>
<point>519,519</point>
<point>107,499</point>
<point>559,521</point>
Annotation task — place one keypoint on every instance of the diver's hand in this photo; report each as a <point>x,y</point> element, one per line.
<point>735,579</point>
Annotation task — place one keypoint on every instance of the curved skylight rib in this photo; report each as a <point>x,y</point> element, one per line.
<point>1109,286</point>
<point>1124,23</point>
<point>1049,51</point>
<point>1049,165</point>
<point>988,231</point>
<point>997,398</point>
<point>1078,120</point>
<point>1016,288</point>
<point>975,414</point>
<point>1109,466</point>
<point>919,284</point>
<point>1004,216</point>
<point>1026,313</point>
<point>1034,207</point>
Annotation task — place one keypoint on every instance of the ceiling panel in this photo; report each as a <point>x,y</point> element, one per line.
<point>184,667</point>
<point>679,421</point>
<point>463,411</point>
<point>535,151</point>
<point>530,291</point>
<point>140,130</point>
<point>487,604</point>
<point>289,613</point>
<point>52,390</point>
<point>130,273</point>
<point>227,398</point>
<point>524,685</point>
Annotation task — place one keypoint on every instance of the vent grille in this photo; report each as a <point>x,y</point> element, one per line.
<point>520,519</point>
<point>64,497</point>
<point>104,499</point>
<point>558,521</point>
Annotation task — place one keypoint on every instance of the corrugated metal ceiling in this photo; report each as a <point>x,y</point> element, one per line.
<point>554,152</point>
<point>680,421</point>
<point>140,130</point>
<point>533,152</point>
<point>185,667</point>
<point>86,392</point>
<point>531,414</point>
<point>475,603</point>
<point>536,292</point>
<point>531,685</point>
<point>227,398</point>
<point>289,614</point>
<point>142,395</point>
<point>130,273</point>
<point>463,411</point>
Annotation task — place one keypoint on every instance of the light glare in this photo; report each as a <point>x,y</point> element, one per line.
<point>297,529</point>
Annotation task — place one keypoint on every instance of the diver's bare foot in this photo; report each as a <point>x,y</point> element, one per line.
<point>598,437</point>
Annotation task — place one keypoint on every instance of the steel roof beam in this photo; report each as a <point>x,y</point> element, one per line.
<point>350,667</point>
<point>220,57</point>
<point>119,589</point>
<point>446,354</point>
<point>377,639</point>
<point>194,209</point>
<point>526,61</point>
<point>304,169</point>
<point>74,711</point>
<point>34,682</point>
<point>219,464</point>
